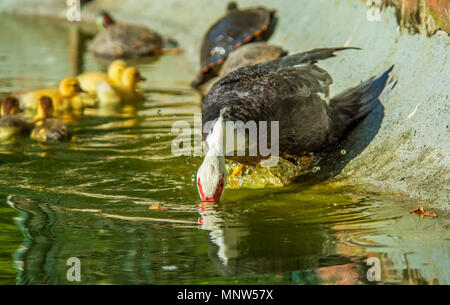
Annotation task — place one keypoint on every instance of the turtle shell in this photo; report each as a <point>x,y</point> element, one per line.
<point>233,30</point>
<point>123,40</point>
<point>251,54</point>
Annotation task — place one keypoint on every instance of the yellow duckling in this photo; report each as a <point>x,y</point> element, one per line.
<point>126,91</point>
<point>65,99</point>
<point>11,123</point>
<point>89,80</point>
<point>46,127</point>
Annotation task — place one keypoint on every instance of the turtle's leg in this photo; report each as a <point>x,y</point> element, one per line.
<point>171,46</point>
<point>172,51</point>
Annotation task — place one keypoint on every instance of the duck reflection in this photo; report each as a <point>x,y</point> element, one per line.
<point>251,244</point>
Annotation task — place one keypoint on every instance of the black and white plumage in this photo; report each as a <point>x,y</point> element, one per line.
<point>292,90</point>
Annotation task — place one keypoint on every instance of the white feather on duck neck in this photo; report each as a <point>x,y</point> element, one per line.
<point>214,140</point>
<point>212,169</point>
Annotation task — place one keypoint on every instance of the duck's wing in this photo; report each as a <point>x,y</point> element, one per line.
<point>296,97</point>
<point>308,57</point>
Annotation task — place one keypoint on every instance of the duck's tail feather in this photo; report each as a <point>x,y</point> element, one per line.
<point>357,102</point>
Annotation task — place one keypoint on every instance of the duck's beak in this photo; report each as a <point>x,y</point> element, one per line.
<point>209,199</point>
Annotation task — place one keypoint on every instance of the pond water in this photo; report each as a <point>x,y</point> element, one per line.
<point>117,199</point>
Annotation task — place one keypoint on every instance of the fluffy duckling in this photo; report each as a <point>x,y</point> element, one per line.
<point>46,127</point>
<point>64,99</point>
<point>11,122</point>
<point>89,80</point>
<point>126,91</point>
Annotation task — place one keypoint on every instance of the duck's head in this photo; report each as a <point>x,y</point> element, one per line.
<point>211,178</point>
<point>211,174</point>
<point>45,108</point>
<point>10,106</point>
<point>69,87</point>
<point>131,76</point>
<point>104,20</point>
<point>115,70</point>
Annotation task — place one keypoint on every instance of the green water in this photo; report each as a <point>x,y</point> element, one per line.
<point>121,164</point>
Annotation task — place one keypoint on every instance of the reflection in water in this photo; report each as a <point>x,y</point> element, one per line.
<point>253,246</point>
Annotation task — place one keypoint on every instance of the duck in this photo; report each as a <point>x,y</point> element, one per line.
<point>46,127</point>
<point>65,98</point>
<point>11,122</point>
<point>118,40</point>
<point>89,80</point>
<point>291,92</point>
<point>124,92</point>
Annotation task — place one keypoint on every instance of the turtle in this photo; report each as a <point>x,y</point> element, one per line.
<point>247,55</point>
<point>236,28</point>
<point>251,54</point>
<point>119,40</point>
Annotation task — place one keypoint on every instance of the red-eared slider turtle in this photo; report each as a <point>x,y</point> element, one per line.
<point>250,54</point>
<point>235,29</point>
<point>118,40</point>
<point>247,55</point>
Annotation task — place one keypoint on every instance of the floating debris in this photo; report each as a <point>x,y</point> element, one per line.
<point>422,213</point>
<point>169,268</point>
<point>158,207</point>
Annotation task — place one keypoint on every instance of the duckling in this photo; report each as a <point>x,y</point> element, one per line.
<point>46,127</point>
<point>64,99</point>
<point>11,122</point>
<point>89,80</point>
<point>126,91</point>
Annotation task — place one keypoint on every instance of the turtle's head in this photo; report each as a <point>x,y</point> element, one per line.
<point>10,106</point>
<point>232,6</point>
<point>69,87</point>
<point>104,20</point>
<point>45,108</point>
<point>115,70</point>
<point>131,76</point>
<point>211,178</point>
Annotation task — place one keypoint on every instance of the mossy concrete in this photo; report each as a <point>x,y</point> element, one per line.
<point>403,146</point>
